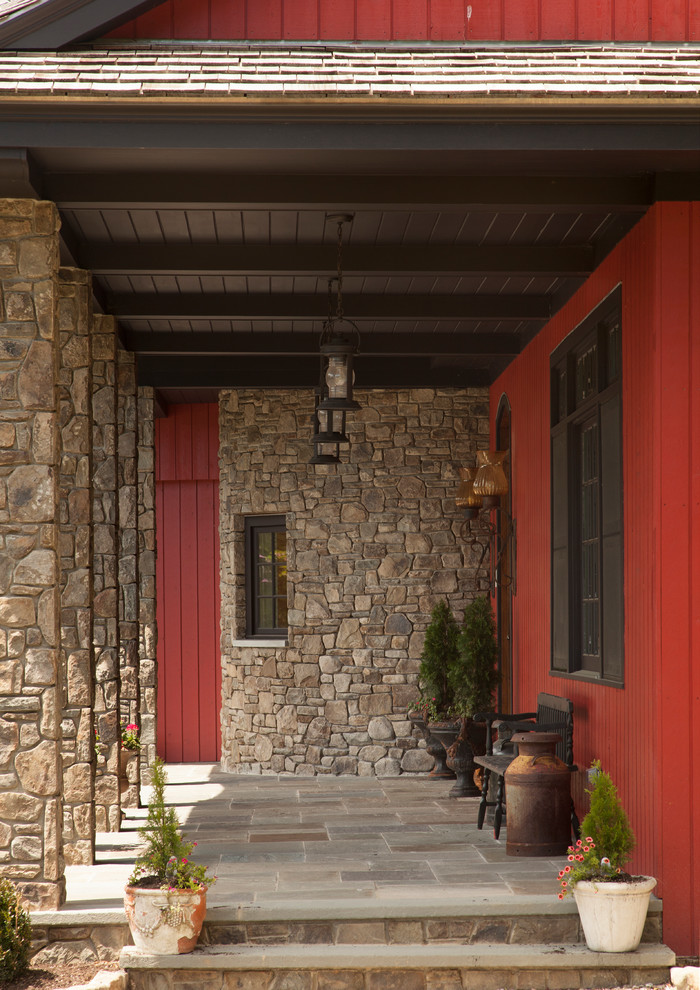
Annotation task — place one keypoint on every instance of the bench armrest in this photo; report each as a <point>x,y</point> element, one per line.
<point>491,717</point>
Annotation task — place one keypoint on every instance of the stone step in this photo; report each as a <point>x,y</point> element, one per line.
<point>519,920</point>
<point>396,967</point>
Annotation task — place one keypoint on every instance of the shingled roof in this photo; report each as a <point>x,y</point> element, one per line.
<point>352,71</point>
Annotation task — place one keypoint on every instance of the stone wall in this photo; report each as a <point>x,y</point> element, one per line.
<point>373,543</point>
<point>30,677</point>
<point>105,505</point>
<point>148,634</point>
<point>76,515</point>
<point>75,480</point>
<point>127,575</point>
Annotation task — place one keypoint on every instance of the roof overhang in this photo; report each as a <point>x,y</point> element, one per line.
<point>201,216</point>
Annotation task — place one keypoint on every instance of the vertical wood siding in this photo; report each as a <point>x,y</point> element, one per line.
<point>187,526</point>
<point>643,733</point>
<point>420,20</point>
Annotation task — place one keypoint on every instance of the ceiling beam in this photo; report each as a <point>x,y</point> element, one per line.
<point>231,191</point>
<point>173,372</point>
<point>358,259</point>
<point>398,346</point>
<point>287,306</point>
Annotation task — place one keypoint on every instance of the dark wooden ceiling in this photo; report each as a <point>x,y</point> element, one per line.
<point>218,271</point>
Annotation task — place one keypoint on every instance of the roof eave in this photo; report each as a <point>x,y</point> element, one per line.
<point>54,24</point>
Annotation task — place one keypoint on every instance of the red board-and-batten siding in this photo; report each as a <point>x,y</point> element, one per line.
<point>646,735</point>
<point>187,575</point>
<point>420,20</point>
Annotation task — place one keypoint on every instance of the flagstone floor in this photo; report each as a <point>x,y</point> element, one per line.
<point>289,838</point>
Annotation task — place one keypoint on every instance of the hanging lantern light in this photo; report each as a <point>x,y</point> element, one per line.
<point>340,341</point>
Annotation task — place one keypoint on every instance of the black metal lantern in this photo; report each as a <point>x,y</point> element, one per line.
<point>340,342</point>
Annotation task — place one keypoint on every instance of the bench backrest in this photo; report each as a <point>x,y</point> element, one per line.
<point>559,712</point>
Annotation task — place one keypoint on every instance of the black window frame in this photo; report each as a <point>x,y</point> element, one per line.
<point>254,527</point>
<point>601,405</point>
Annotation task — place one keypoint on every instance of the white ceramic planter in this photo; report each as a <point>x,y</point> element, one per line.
<point>164,921</point>
<point>613,914</point>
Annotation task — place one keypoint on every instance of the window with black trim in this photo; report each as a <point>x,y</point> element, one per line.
<point>587,523</point>
<point>266,576</point>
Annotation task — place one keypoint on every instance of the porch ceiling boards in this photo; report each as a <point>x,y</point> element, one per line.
<point>482,200</point>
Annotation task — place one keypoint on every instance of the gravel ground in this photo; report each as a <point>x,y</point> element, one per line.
<point>54,977</point>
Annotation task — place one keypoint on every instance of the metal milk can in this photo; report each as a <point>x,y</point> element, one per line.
<point>538,797</point>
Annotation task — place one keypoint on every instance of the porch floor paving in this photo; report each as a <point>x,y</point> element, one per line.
<point>274,840</point>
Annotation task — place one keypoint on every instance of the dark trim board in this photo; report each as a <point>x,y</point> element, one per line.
<point>290,306</point>
<point>419,193</point>
<point>53,24</point>
<point>589,132</point>
<point>304,259</point>
<point>196,371</point>
<point>289,344</point>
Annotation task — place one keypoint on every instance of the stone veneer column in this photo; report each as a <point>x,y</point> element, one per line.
<point>372,544</point>
<point>105,568</point>
<point>75,479</point>
<point>148,636</point>
<point>128,588</point>
<point>30,706</point>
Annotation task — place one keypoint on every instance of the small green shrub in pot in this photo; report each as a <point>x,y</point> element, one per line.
<point>609,840</point>
<point>15,933</point>
<point>166,863</point>
<point>612,904</point>
<point>474,674</point>
<point>440,652</point>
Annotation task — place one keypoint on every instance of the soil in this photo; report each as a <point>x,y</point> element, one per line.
<point>53,977</point>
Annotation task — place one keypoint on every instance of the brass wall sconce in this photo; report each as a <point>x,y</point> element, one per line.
<point>480,495</point>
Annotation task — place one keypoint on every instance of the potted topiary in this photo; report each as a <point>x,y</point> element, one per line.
<point>436,704</point>
<point>473,677</point>
<point>612,904</point>
<point>166,895</point>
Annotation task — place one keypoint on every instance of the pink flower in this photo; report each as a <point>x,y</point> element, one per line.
<point>567,869</point>
<point>589,839</point>
<point>560,896</point>
<point>185,861</point>
<point>570,859</point>
<point>586,848</point>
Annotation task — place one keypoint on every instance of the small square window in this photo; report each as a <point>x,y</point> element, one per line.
<point>266,576</point>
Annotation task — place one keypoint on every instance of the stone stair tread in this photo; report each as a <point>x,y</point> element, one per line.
<point>378,956</point>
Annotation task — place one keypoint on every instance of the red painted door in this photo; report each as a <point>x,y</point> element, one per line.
<point>187,526</point>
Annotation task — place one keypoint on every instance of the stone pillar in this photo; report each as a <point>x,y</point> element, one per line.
<point>105,564</point>
<point>147,577</point>
<point>75,481</point>
<point>127,568</point>
<point>30,706</point>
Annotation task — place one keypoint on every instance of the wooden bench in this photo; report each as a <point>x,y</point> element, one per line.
<point>553,714</point>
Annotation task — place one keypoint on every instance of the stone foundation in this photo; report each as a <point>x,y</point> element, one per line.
<point>372,544</point>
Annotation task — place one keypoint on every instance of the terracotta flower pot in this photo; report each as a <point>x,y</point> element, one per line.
<point>165,921</point>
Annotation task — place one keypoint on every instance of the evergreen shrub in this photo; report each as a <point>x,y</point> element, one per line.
<point>15,933</point>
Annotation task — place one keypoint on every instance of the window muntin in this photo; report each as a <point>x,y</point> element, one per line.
<point>266,576</point>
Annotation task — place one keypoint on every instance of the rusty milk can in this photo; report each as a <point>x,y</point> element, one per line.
<point>538,797</point>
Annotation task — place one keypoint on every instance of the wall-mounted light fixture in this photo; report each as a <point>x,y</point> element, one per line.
<point>480,494</point>
<point>340,342</point>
